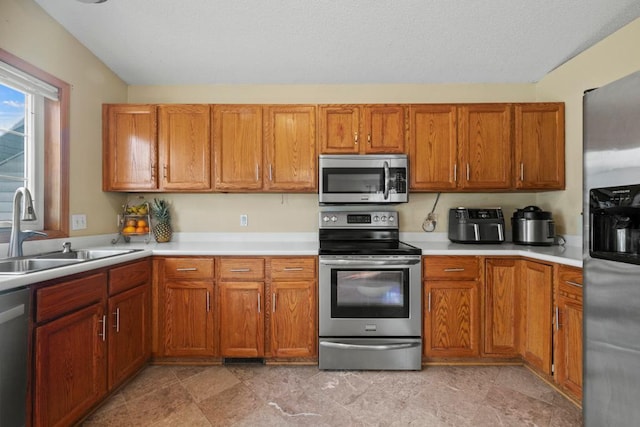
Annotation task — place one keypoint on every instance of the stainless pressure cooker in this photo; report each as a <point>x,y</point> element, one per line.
<point>533,226</point>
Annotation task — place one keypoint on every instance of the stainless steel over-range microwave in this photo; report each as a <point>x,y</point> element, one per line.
<point>370,178</point>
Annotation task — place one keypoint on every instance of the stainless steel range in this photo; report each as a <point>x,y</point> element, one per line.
<point>370,293</point>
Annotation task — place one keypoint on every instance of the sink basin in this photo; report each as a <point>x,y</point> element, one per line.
<point>29,265</point>
<point>85,254</point>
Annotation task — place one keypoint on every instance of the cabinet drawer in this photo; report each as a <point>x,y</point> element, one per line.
<point>129,276</point>
<point>570,275</point>
<point>188,268</point>
<point>293,268</point>
<point>53,301</point>
<point>242,268</point>
<point>450,268</point>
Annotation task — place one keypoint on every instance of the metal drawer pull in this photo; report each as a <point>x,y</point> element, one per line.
<point>429,303</point>
<point>104,327</point>
<point>453,270</point>
<point>258,302</point>
<point>574,283</point>
<point>521,171</point>
<point>208,302</point>
<point>455,172</point>
<point>273,302</point>
<point>117,314</point>
<point>187,269</point>
<point>240,270</point>
<point>293,269</point>
<point>368,346</point>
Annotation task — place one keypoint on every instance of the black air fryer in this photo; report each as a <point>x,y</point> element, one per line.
<point>533,226</point>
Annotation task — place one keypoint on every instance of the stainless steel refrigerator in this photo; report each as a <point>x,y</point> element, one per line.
<point>611,218</point>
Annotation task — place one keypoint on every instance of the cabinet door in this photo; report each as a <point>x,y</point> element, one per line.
<point>485,146</point>
<point>568,360</point>
<point>129,337</point>
<point>384,129</point>
<point>290,148</point>
<point>502,307</point>
<point>129,147</point>
<point>70,366</point>
<point>339,129</point>
<point>433,148</point>
<point>539,146</point>
<point>536,332</point>
<point>241,319</point>
<point>237,146</point>
<point>293,322</point>
<point>185,147</point>
<point>452,319</point>
<point>188,318</point>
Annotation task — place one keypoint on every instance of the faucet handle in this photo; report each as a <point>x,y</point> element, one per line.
<point>66,247</point>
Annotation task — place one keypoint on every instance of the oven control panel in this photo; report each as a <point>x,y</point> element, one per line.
<point>350,219</point>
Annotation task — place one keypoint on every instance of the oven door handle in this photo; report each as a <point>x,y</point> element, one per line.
<point>368,262</point>
<point>378,347</point>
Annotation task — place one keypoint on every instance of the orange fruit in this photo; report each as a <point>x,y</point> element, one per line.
<point>131,223</point>
<point>129,229</point>
<point>141,223</point>
<point>140,230</point>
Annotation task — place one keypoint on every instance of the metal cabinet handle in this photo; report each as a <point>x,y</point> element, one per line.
<point>103,334</point>
<point>208,301</point>
<point>453,270</point>
<point>521,171</point>
<point>270,172</point>
<point>579,285</point>
<point>468,172</point>
<point>240,270</point>
<point>164,171</point>
<point>369,139</point>
<point>293,269</point>
<point>117,314</point>
<point>557,318</point>
<point>258,302</point>
<point>187,269</point>
<point>257,172</point>
<point>455,172</point>
<point>355,138</point>
<point>273,302</point>
<point>429,302</point>
<point>153,171</point>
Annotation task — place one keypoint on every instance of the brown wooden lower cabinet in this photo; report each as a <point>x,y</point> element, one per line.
<point>241,319</point>
<point>293,319</point>
<point>568,330</point>
<point>502,307</point>
<point>86,343</point>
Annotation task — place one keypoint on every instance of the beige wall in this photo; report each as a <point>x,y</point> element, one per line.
<point>48,46</point>
<point>29,33</point>
<point>614,57</point>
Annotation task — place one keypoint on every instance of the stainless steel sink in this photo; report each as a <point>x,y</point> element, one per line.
<point>85,254</point>
<point>39,262</point>
<point>29,265</point>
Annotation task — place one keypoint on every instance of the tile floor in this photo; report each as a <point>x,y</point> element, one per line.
<point>256,395</point>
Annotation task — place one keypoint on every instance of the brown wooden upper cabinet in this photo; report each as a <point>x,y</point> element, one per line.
<point>362,129</point>
<point>539,146</point>
<point>156,148</point>
<point>237,147</point>
<point>290,155</point>
<point>472,147</point>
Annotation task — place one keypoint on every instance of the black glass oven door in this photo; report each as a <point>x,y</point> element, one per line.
<point>369,293</point>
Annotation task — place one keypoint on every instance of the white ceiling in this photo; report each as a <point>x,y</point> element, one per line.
<point>167,42</point>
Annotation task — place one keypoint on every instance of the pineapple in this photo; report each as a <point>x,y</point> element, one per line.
<point>162,230</point>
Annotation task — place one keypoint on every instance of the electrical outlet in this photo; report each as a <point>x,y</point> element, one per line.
<point>244,220</point>
<point>78,222</point>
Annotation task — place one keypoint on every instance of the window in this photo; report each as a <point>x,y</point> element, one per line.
<point>34,115</point>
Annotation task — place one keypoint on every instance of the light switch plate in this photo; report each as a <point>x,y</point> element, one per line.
<point>78,222</point>
<point>244,220</point>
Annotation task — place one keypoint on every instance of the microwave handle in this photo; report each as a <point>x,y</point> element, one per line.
<point>386,180</point>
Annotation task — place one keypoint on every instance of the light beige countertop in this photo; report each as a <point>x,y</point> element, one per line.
<point>263,244</point>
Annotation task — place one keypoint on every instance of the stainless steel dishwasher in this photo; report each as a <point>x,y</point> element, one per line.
<point>14,333</point>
